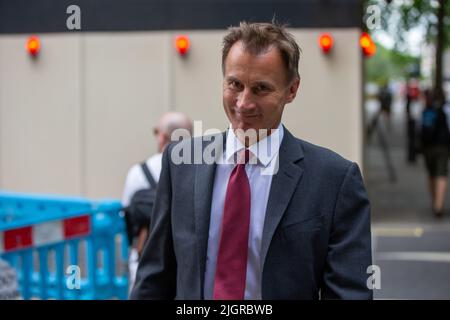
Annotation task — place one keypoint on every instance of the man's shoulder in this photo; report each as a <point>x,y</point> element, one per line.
<point>135,175</point>
<point>153,158</point>
<point>134,171</point>
<point>323,165</point>
<point>322,156</point>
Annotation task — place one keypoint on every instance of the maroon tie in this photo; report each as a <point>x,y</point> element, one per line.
<point>231,269</point>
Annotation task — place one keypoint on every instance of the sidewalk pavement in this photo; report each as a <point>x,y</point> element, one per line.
<point>411,246</point>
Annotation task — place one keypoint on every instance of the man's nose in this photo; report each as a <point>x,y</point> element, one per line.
<point>245,100</point>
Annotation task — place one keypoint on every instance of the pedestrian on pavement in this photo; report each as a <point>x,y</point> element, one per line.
<point>412,113</point>
<point>385,99</point>
<point>435,138</point>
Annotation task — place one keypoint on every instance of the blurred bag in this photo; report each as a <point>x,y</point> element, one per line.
<point>138,213</point>
<point>434,129</point>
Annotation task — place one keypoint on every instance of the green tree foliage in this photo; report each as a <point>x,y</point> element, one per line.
<point>400,16</point>
<point>425,13</point>
<point>389,64</point>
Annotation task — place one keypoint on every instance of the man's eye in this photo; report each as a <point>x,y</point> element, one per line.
<point>235,84</point>
<point>261,88</point>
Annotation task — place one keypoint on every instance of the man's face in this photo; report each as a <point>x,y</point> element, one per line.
<point>255,88</point>
<point>161,139</point>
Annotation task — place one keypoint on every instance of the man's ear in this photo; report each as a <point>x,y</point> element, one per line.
<point>293,87</point>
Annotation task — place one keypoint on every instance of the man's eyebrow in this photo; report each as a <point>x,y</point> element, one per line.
<point>265,83</point>
<point>232,78</point>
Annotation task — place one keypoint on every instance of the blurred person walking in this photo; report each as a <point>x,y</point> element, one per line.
<point>412,95</point>
<point>385,99</point>
<point>435,139</point>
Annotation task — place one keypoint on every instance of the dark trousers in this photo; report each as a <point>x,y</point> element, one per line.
<point>411,143</point>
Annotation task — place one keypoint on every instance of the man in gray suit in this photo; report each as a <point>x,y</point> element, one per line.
<point>289,220</point>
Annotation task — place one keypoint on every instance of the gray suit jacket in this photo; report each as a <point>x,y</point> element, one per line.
<point>316,238</point>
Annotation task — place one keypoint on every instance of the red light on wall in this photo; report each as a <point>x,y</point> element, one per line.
<point>33,45</point>
<point>368,46</point>
<point>182,44</point>
<point>371,50</point>
<point>326,42</point>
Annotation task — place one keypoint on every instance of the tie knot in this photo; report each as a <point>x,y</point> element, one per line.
<point>243,156</point>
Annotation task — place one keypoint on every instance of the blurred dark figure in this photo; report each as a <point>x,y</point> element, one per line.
<point>385,99</point>
<point>412,94</point>
<point>435,140</point>
<point>384,112</point>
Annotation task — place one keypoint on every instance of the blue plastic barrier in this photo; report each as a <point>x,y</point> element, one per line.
<point>64,247</point>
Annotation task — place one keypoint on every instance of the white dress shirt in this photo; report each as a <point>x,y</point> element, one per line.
<point>259,174</point>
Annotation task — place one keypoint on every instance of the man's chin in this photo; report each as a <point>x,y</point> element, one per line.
<point>246,127</point>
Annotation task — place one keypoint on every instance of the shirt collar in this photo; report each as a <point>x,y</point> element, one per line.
<point>264,150</point>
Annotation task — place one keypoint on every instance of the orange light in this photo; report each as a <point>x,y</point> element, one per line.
<point>182,44</point>
<point>371,50</point>
<point>326,42</point>
<point>33,45</point>
<point>368,46</point>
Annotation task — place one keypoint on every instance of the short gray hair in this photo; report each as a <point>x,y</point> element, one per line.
<point>258,37</point>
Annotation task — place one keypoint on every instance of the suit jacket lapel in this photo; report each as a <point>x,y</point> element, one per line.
<point>283,185</point>
<point>203,189</point>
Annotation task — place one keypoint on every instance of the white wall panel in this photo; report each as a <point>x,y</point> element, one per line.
<point>39,115</point>
<point>125,85</point>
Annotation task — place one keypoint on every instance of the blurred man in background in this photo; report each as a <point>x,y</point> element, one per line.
<point>144,177</point>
